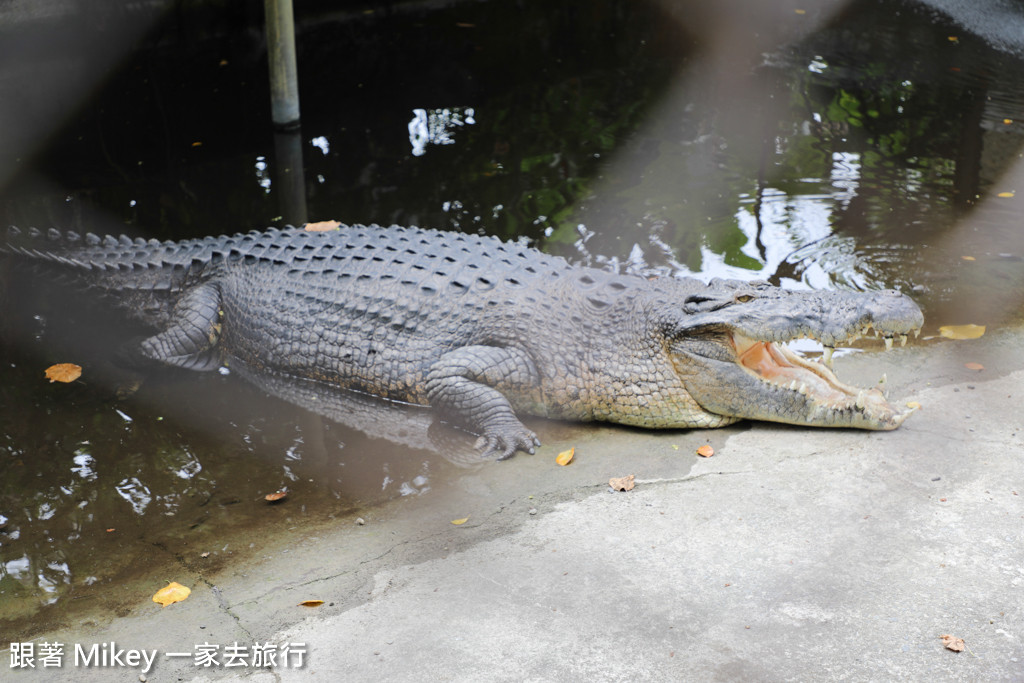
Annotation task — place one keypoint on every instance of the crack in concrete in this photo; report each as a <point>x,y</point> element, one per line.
<point>217,594</point>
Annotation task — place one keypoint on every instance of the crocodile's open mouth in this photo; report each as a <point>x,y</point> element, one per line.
<point>779,365</point>
<point>786,370</point>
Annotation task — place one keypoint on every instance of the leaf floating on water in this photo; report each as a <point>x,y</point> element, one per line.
<point>460,522</point>
<point>276,496</point>
<point>565,457</point>
<point>622,483</point>
<point>63,372</point>
<point>706,451</point>
<point>974,366</point>
<point>171,593</point>
<point>953,643</point>
<point>311,603</point>
<point>322,226</point>
<point>962,331</point>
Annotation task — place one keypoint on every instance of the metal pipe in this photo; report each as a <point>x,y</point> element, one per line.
<point>284,80</point>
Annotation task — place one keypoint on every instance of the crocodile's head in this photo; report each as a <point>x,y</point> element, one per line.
<point>728,348</point>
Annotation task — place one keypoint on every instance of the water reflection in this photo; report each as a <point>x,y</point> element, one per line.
<point>437,126</point>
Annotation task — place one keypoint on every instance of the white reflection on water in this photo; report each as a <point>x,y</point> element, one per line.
<point>435,126</point>
<point>188,466</point>
<point>84,463</point>
<point>136,493</point>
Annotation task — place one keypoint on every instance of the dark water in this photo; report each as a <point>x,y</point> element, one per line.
<point>862,147</point>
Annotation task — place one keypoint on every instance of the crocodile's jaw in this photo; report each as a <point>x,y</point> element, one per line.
<point>761,380</point>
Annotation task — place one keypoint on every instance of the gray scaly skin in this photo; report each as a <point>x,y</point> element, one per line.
<point>482,329</point>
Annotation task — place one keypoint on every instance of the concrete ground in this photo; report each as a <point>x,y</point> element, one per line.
<point>791,554</point>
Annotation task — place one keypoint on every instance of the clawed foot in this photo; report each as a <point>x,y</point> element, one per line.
<point>503,442</point>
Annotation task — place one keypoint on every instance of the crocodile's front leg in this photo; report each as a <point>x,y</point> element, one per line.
<point>467,384</point>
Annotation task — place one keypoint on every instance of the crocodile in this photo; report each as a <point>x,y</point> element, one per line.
<point>485,331</point>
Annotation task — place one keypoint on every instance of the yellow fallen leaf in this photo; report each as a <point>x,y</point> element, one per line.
<point>968,258</point>
<point>276,496</point>
<point>974,366</point>
<point>460,522</point>
<point>706,451</point>
<point>322,226</point>
<point>565,457</point>
<point>953,643</point>
<point>913,404</point>
<point>962,331</point>
<point>1005,194</point>
<point>311,603</point>
<point>171,593</point>
<point>800,11</point>
<point>63,372</point>
<point>1007,121</point>
<point>622,483</point>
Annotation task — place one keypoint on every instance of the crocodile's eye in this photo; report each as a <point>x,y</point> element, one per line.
<point>744,298</point>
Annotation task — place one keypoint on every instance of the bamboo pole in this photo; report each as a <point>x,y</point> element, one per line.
<point>284,81</point>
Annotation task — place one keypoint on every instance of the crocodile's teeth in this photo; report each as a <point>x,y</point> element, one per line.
<point>917,333</point>
<point>826,356</point>
<point>860,399</point>
<point>888,343</point>
<point>803,388</point>
<point>903,340</point>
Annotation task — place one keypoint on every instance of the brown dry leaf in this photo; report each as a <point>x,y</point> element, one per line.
<point>460,522</point>
<point>322,226</point>
<point>622,483</point>
<point>276,496</point>
<point>311,603</point>
<point>706,451</point>
<point>63,372</point>
<point>171,593</point>
<point>962,331</point>
<point>953,643</point>
<point>974,366</point>
<point>565,457</point>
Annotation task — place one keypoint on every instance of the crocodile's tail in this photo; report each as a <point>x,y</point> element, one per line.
<point>139,276</point>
